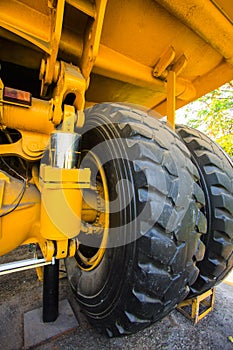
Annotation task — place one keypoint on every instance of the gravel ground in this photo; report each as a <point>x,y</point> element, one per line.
<point>22,292</point>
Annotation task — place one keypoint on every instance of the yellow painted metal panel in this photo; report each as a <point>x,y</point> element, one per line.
<point>225,6</point>
<point>133,37</point>
<point>28,20</point>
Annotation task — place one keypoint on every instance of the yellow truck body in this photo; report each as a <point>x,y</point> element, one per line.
<point>124,49</point>
<point>146,197</point>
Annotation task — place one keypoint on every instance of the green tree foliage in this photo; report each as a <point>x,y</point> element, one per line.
<point>213,114</point>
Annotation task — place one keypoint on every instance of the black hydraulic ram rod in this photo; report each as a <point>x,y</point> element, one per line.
<point>51,292</point>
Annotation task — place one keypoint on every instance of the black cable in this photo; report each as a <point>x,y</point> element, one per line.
<point>17,204</point>
<point>21,193</point>
<point>12,169</point>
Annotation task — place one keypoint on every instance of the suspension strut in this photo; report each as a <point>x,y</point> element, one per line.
<point>64,156</point>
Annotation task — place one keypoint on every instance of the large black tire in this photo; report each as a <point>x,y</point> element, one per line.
<point>216,179</point>
<point>139,282</point>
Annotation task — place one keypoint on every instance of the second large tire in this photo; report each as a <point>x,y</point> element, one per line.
<point>155,222</point>
<point>216,179</point>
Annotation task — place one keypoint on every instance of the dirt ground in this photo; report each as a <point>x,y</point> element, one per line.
<point>22,292</point>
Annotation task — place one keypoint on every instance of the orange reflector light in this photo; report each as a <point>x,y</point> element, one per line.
<point>17,96</point>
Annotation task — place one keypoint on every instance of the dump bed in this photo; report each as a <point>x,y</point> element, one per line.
<point>141,211</point>
<point>126,46</point>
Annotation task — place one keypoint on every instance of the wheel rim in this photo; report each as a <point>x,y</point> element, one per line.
<point>87,257</point>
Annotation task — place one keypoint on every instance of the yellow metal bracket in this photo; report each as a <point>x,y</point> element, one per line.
<point>172,75</point>
<point>47,249</point>
<point>200,305</point>
<point>171,98</point>
<point>92,39</point>
<point>64,249</point>
<point>59,249</point>
<point>20,149</point>
<point>56,178</point>
<point>69,118</point>
<point>69,80</point>
<point>160,69</point>
<point>168,69</point>
<point>48,64</point>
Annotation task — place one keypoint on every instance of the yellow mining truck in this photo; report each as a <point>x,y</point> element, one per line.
<point>140,209</point>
